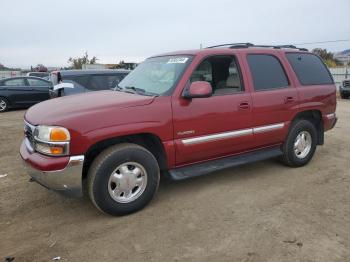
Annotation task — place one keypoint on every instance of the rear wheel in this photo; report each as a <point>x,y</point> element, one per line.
<point>300,144</point>
<point>123,179</point>
<point>4,104</point>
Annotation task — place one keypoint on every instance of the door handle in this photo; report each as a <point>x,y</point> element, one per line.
<point>289,99</point>
<point>244,106</point>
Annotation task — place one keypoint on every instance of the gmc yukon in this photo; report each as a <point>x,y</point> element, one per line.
<point>181,114</point>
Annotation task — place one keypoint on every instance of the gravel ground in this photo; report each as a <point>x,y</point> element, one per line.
<point>258,212</point>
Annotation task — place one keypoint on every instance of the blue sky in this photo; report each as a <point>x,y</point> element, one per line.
<point>49,32</point>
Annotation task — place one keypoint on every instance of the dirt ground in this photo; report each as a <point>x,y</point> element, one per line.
<point>259,212</point>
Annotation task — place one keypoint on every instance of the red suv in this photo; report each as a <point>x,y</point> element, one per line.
<point>182,114</point>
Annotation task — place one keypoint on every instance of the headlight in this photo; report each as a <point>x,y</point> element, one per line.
<point>51,140</point>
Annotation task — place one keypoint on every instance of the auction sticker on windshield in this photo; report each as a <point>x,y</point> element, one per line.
<point>177,60</point>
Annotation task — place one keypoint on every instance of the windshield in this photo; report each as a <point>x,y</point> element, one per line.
<point>155,76</point>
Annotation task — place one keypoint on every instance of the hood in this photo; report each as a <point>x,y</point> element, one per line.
<point>69,108</point>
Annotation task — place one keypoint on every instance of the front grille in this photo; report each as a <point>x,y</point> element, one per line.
<point>29,133</point>
<point>346,83</point>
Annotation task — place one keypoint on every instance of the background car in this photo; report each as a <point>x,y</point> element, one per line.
<point>345,89</point>
<point>22,92</point>
<point>69,82</point>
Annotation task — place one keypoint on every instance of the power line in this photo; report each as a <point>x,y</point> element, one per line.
<point>324,42</point>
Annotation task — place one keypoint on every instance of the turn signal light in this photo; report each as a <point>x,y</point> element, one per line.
<point>58,135</point>
<point>56,150</point>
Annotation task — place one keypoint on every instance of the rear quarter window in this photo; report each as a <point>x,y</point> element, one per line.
<point>309,69</point>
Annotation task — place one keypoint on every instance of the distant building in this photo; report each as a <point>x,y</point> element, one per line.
<point>343,56</point>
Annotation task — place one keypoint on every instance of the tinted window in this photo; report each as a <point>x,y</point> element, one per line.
<point>309,69</point>
<point>267,72</point>
<point>81,80</point>
<point>36,82</point>
<point>104,82</point>
<point>14,82</point>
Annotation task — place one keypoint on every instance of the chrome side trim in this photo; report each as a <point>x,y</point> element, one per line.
<point>262,129</point>
<point>230,134</point>
<point>202,139</point>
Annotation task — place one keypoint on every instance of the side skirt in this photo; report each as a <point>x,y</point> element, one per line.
<point>223,163</point>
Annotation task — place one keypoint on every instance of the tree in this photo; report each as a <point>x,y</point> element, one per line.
<point>328,57</point>
<point>78,62</point>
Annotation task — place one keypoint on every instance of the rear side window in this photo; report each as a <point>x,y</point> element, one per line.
<point>36,82</point>
<point>14,82</point>
<point>309,69</point>
<point>267,72</point>
<point>104,82</point>
<point>81,80</point>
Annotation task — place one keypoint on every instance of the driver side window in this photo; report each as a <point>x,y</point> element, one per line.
<point>221,72</point>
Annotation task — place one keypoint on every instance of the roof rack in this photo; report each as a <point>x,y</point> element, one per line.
<point>234,45</point>
<point>248,45</point>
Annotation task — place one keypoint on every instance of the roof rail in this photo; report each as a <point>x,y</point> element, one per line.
<point>237,45</point>
<point>248,45</point>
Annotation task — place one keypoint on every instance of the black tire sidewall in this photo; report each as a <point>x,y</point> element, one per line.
<point>100,191</point>
<point>297,128</point>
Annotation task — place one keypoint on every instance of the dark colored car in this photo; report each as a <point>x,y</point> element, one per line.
<point>182,114</point>
<point>22,92</point>
<point>345,89</point>
<point>70,82</point>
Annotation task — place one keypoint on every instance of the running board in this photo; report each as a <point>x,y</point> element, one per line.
<point>223,163</point>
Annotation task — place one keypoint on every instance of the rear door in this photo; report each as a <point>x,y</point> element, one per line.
<point>216,126</point>
<point>40,89</point>
<point>274,98</point>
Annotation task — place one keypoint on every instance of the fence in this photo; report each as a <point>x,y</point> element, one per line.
<point>339,74</point>
<point>5,74</point>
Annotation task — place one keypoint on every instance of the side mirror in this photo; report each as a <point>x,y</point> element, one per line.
<point>63,85</point>
<point>198,89</point>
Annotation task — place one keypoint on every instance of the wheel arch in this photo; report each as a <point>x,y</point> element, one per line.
<point>314,116</point>
<point>147,140</point>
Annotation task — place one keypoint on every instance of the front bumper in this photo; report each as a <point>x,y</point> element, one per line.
<point>67,180</point>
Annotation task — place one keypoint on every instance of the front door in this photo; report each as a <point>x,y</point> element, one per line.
<point>220,125</point>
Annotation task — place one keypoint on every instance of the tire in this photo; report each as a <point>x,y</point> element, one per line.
<point>4,104</point>
<point>306,132</point>
<point>123,179</point>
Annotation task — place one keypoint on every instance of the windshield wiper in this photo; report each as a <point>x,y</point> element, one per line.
<point>134,90</point>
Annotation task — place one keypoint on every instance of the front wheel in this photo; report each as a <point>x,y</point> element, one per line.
<point>123,179</point>
<point>300,144</point>
<point>4,104</point>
